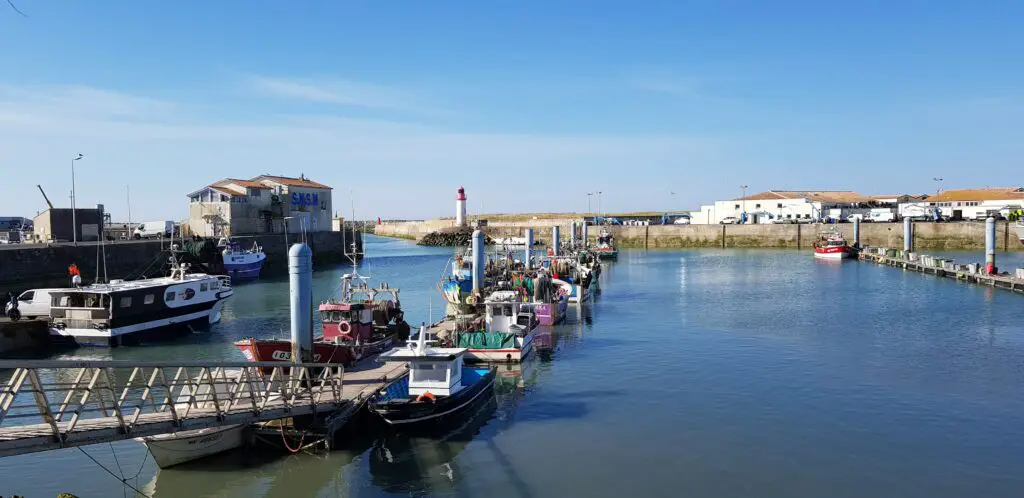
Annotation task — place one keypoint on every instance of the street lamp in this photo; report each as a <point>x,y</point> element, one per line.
<point>74,219</point>
<point>598,203</point>
<point>743,198</point>
<point>938,185</point>
<point>589,194</point>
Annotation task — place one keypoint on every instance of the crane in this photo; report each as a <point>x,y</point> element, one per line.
<point>47,199</point>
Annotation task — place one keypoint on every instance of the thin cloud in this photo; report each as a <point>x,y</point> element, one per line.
<point>679,87</point>
<point>346,92</point>
<point>81,100</point>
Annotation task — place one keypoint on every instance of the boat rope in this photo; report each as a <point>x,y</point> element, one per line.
<point>123,481</point>
<point>284,440</point>
<point>118,462</point>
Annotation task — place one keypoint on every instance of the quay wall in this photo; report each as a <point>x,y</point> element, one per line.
<point>41,265</point>
<point>927,235</point>
<point>22,335</point>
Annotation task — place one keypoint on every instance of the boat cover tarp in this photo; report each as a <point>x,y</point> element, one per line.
<point>487,340</point>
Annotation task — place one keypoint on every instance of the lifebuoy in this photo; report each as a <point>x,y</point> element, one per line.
<point>425,395</point>
<point>345,327</point>
<point>551,251</point>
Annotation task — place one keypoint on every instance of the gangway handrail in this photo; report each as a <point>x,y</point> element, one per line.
<point>78,402</point>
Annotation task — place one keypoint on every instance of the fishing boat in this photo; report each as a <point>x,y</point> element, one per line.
<point>547,299</point>
<point>605,247</point>
<point>831,245</point>
<point>1019,229</point>
<point>510,328</point>
<point>567,270</point>
<point>242,263</point>
<point>127,312</point>
<point>437,386</point>
<point>364,322</point>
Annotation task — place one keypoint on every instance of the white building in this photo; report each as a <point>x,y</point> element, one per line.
<point>782,206</point>
<point>265,204</point>
<point>967,204</point>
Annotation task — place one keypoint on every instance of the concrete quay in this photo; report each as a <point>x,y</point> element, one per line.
<point>26,266</point>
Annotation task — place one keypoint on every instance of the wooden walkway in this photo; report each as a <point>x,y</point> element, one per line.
<point>42,409</point>
<point>957,272</point>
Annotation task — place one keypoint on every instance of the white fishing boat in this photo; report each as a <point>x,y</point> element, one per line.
<point>180,447</point>
<point>510,328</point>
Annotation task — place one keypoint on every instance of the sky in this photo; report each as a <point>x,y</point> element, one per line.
<point>660,106</point>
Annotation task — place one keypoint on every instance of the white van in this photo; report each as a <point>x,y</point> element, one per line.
<point>152,229</point>
<point>35,303</point>
<point>881,216</point>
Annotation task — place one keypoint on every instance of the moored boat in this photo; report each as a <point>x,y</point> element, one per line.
<point>605,248</point>
<point>242,263</point>
<point>832,245</point>
<point>128,312</point>
<point>437,386</point>
<point>510,328</point>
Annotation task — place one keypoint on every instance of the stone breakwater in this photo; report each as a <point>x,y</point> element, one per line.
<point>460,237</point>
<point>927,235</point>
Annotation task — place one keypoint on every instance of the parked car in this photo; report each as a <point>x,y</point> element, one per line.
<point>682,220</point>
<point>729,220</point>
<point>855,216</point>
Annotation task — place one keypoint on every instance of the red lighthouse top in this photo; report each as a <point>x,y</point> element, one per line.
<point>462,194</point>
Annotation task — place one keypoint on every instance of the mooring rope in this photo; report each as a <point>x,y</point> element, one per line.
<point>124,482</point>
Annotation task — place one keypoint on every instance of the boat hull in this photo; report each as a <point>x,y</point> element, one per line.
<point>407,413</point>
<point>832,253</point>
<point>323,352</point>
<point>550,313</point>
<point>176,448</point>
<point>608,254</point>
<point>512,355</point>
<point>176,324</point>
<point>243,265</point>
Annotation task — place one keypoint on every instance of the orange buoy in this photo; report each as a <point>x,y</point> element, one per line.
<point>425,395</point>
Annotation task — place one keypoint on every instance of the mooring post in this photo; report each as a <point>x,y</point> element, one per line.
<point>529,248</point>
<point>477,271</point>
<point>572,234</point>
<point>300,281</point>
<point>556,240</point>
<point>583,233</point>
<point>908,235</point>
<point>856,233</point>
<point>990,246</point>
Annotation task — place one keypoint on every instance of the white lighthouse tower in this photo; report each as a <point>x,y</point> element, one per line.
<point>460,208</point>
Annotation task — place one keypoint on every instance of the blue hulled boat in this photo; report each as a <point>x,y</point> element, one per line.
<point>438,385</point>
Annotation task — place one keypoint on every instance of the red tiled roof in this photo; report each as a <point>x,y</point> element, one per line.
<point>980,194</point>
<point>838,196</point>
<point>291,182</point>
<point>240,183</point>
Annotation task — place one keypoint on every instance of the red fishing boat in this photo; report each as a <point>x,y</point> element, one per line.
<point>832,246</point>
<point>365,322</point>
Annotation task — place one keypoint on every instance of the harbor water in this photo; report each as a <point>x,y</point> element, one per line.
<point>699,373</point>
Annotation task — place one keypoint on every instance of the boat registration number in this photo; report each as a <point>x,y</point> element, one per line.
<point>287,355</point>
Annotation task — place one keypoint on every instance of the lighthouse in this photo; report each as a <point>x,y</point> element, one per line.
<point>460,208</point>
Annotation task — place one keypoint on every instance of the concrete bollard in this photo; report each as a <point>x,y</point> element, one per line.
<point>572,234</point>
<point>300,282</point>
<point>856,233</point>
<point>556,240</point>
<point>990,246</point>
<point>583,233</point>
<point>908,234</point>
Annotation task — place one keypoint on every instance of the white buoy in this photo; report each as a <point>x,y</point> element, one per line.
<point>300,280</point>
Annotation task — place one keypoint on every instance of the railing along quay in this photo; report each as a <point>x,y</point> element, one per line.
<point>47,405</point>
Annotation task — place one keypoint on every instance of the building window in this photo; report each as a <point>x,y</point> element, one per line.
<point>169,296</point>
<point>757,206</point>
<point>255,192</point>
<point>779,205</point>
<point>223,198</point>
<point>737,206</point>
<point>149,299</point>
<point>126,302</point>
<point>195,198</point>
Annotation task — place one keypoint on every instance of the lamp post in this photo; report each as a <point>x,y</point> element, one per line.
<point>589,195</point>
<point>938,185</point>
<point>74,219</point>
<point>743,198</point>
<point>599,204</point>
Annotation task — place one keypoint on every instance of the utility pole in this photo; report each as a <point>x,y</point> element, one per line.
<point>74,219</point>
<point>743,198</point>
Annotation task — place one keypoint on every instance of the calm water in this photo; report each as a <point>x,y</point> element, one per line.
<point>696,373</point>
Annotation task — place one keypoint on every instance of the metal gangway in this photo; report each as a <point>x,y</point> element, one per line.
<point>47,405</point>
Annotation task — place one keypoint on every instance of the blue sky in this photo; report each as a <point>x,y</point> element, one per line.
<point>529,104</point>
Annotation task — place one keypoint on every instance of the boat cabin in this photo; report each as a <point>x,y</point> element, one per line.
<point>506,313</point>
<point>346,322</point>
<point>434,370</point>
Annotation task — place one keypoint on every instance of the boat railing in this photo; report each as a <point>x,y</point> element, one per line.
<point>72,403</point>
